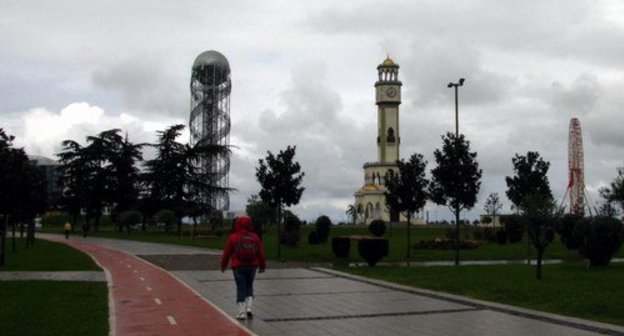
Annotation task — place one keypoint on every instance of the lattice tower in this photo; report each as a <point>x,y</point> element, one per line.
<point>210,120</point>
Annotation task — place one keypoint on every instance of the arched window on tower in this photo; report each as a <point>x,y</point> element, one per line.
<point>391,138</point>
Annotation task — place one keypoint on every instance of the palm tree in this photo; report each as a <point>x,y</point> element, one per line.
<point>352,212</point>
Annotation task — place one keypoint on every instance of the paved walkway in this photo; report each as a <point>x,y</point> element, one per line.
<point>317,301</point>
<point>147,300</point>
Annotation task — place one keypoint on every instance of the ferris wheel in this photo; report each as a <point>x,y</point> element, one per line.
<point>576,170</point>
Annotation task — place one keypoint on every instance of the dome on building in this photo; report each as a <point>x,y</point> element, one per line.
<point>388,62</point>
<point>212,58</point>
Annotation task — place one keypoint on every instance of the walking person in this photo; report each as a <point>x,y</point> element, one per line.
<point>67,228</point>
<point>246,252</point>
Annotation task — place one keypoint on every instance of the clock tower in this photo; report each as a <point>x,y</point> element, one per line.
<point>370,199</point>
<point>388,99</point>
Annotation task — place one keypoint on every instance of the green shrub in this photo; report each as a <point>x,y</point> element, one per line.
<point>377,227</point>
<point>129,218</point>
<point>323,225</point>
<point>501,236</point>
<point>478,233</point>
<point>489,233</point>
<point>599,239</point>
<point>514,225</point>
<point>292,231</point>
<point>167,218</point>
<point>487,220</point>
<point>373,250</point>
<point>565,228</point>
<point>341,246</point>
<point>313,238</point>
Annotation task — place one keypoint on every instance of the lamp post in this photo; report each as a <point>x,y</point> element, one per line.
<point>456,85</point>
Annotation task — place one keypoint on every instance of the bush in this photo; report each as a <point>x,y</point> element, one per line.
<point>377,227</point>
<point>373,250</point>
<point>501,236</point>
<point>487,220</point>
<point>292,231</point>
<point>489,234</point>
<point>167,217</point>
<point>599,239</point>
<point>129,218</point>
<point>478,233</point>
<point>322,226</point>
<point>514,226</point>
<point>313,238</point>
<point>565,229</point>
<point>341,246</point>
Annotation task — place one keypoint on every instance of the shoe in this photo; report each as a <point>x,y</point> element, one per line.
<point>248,304</point>
<point>242,315</point>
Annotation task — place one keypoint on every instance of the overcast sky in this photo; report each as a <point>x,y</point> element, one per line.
<point>303,74</point>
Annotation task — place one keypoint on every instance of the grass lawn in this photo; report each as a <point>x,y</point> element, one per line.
<point>46,256</point>
<point>568,289</point>
<point>51,307</point>
<point>323,253</point>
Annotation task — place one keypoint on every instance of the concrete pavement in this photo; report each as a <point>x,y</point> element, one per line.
<point>320,301</point>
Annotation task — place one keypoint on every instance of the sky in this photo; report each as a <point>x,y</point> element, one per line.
<point>303,74</point>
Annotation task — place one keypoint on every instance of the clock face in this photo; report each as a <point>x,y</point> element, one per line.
<point>391,92</point>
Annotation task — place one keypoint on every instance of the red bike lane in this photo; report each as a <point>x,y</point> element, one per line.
<point>147,300</point>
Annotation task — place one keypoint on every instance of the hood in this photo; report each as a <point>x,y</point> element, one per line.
<point>242,223</point>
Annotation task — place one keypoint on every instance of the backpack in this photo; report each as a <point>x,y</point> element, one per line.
<point>247,249</point>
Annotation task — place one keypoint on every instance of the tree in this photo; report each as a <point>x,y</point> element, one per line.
<point>280,178</point>
<point>540,213</point>
<point>529,179</point>
<point>407,192</point>
<point>529,191</point>
<point>73,178</point>
<point>174,179</point>
<point>22,190</point>
<point>492,206</point>
<point>456,180</point>
<point>124,177</point>
<point>261,213</point>
<point>352,212</point>
<point>614,193</point>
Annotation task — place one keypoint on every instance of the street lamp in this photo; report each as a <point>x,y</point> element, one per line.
<point>456,85</point>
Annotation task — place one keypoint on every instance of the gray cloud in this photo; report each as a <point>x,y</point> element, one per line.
<point>303,74</point>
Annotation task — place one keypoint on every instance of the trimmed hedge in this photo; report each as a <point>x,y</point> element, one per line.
<point>292,231</point>
<point>377,227</point>
<point>313,238</point>
<point>373,250</point>
<point>322,226</point>
<point>341,246</point>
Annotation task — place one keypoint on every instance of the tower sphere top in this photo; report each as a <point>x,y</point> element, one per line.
<point>212,58</point>
<point>211,68</point>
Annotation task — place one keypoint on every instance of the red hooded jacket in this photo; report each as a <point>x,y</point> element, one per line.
<point>242,226</point>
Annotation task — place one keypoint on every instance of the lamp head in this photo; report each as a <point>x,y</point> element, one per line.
<point>461,81</point>
<point>450,85</point>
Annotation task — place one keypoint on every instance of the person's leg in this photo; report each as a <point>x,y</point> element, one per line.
<point>241,290</point>
<point>250,275</point>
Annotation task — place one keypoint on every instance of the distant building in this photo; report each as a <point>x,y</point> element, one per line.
<point>370,199</point>
<point>49,168</point>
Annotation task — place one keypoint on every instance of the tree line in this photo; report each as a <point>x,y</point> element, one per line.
<point>107,172</point>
